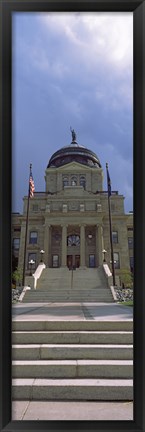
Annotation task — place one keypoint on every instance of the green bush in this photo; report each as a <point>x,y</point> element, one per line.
<point>17,276</point>
<point>126,278</point>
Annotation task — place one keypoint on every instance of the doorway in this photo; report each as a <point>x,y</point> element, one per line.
<point>69,261</point>
<point>73,261</point>
<point>77,261</point>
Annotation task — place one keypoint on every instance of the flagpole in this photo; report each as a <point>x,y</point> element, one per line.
<point>110,226</point>
<point>27,219</point>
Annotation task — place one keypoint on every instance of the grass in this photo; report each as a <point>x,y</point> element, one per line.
<point>127,303</point>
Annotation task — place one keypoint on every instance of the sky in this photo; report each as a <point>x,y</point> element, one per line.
<point>72,70</point>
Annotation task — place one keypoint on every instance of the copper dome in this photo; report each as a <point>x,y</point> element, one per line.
<point>74,153</point>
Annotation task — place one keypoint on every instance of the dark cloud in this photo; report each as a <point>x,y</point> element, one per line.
<point>57,83</point>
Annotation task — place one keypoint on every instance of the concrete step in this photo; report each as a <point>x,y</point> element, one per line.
<point>38,297</point>
<point>73,289</point>
<point>65,287</point>
<point>72,325</point>
<point>82,280</point>
<point>72,368</point>
<point>70,337</point>
<point>62,299</point>
<point>72,360</point>
<point>72,351</point>
<point>78,298</point>
<point>72,389</point>
<point>73,297</point>
<point>63,290</point>
<point>101,293</point>
<point>66,300</point>
<point>80,288</point>
<point>81,285</point>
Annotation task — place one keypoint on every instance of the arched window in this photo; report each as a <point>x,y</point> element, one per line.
<point>65,181</point>
<point>73,240</point>
<point>73,181</point>
<point>83,181</point>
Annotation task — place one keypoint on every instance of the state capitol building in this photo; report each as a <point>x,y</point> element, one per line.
<point>70,220</point>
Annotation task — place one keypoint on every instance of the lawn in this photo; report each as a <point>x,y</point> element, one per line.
<point>127,303</point>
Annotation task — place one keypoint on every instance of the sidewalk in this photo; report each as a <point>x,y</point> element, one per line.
<point>25,410</point>
<point>72,311</point>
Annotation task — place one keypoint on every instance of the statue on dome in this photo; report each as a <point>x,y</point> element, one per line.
<point>74,137</point>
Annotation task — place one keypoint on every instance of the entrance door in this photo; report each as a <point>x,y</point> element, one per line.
<point>69,261</point>
<point>91,260</point>
<point>77,261</point>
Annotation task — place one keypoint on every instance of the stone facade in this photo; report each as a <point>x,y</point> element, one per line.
<point>70,221</point>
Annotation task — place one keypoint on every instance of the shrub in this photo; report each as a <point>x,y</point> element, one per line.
<point>126,278</point>
<point>17,276</point>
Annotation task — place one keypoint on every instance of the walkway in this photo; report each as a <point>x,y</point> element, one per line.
<point>72,311</point>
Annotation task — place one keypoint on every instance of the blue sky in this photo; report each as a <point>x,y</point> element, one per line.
<point>72,69</point>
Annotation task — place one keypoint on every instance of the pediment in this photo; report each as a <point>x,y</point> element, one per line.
<point>72,167</point>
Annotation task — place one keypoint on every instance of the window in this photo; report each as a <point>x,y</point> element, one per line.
<point>112,207</point>
<point>130,229</point>
<point>64,208</point>
<point>83,181</point>
<point>73,240</point>
<point>56,236</point>
<point>73,181</point>
<point>55,261</point>
<point>91,260</point>
<point>65,182</point>
<point>115,236</point>
<point>33,237</point>
<point>116,260</point>
<point>35,207</point>
<point>82,207</point>
<point>131,264</point>
<point>17,229</point>
<point>16,243</point>
<point>130,242</point>
<point>31,256</point>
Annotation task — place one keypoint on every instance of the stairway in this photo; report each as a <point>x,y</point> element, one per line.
<point>64,285</point>
<point>73,360</point>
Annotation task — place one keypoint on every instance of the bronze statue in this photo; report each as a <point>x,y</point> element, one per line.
<point>74,137</point>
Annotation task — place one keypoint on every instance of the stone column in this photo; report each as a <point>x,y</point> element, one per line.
<point>64,246</point>
<point>47,245</point>
<point>82,246</point>
<point>99,244</point>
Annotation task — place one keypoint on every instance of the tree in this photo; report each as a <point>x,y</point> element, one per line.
<point>14,262</point>
<point>126,278</point>
<point>17,276</point>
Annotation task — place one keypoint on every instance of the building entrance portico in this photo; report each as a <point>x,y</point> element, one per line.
<point>74,246</point>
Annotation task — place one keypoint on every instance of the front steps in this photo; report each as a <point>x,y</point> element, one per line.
<point>73,337</point>
<point>68,296</point>
<point>90,389</point>
<point>63,285</point>
<point>79,360</point>
<point>72,368</point>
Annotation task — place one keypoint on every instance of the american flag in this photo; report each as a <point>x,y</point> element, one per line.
<point>31,185</point>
